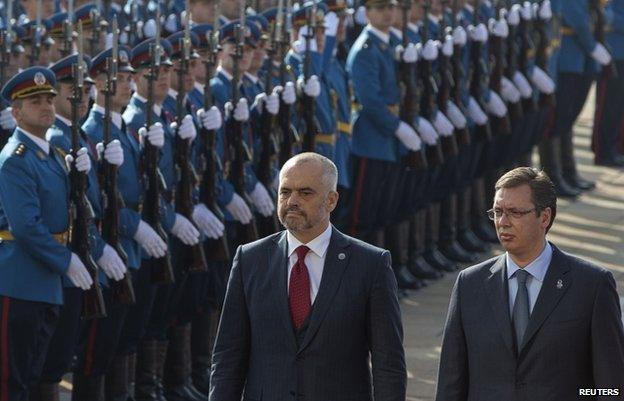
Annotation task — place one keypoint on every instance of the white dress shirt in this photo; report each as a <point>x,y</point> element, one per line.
<point>42,143</point>
<point>537,271</point>
<point>314,260</point>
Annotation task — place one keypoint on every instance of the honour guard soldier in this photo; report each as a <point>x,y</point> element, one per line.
<point>34,218</point>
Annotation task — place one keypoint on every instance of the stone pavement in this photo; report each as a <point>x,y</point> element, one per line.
<point>590,227</point>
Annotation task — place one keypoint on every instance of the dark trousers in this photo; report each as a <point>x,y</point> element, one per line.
<point>26,328</point>
<point>65,338</point>
<point>608,115</point>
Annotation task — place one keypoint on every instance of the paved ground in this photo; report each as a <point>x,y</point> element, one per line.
<point>591,227</point>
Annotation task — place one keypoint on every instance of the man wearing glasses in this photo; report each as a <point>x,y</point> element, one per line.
<point>535,323</point>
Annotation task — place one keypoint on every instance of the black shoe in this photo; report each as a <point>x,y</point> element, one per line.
<point>422,270</point>
<point>405,280</point>
<point>470,242</point>
<point>564,190</point>
<point>454,251</point>
<point>576,181</point>
<point>610,161</point>
<point>485,231</point>
<point>438,261</point>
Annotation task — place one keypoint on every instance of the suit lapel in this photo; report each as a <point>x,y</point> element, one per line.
<point>555,285</point>
<point>498,295</point>
<point>333,270</point>
<point>278,264</point>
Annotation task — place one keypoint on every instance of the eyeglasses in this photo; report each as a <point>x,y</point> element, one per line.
<point>494,214</point>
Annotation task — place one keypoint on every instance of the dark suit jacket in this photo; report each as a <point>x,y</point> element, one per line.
<point>574,338</point>
<point>355,320</point>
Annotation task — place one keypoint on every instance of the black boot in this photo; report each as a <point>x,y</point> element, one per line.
<point>468,240</point>
<point>116,388</point>
<point>448,232</point>
<point>481,225</point>
<point>203,332</point>
<point>145,386</point>
<point>417,265</point>
<point>161,357</point>
<point>132,358</point>
<point>575,180</point>
<point>397,236</point>
<point>44,392</point>
<point>432,255</point>
<point>177,379</point>
<point>562,188</point>
<point>88,388</point>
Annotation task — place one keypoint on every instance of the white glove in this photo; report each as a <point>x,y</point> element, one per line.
<point>495,105</point>
<point>271,101</point>
<point>302,43</point>
<point>289,96</point>
<point>455,115</point>
<point>478,33</point>
<point>408,136</point>
<point>430,50</point>
<point>171,23</point>
<point>475,112</point>
<point>526,12</point>
<point>261,199</point>
<point>545,11</point>
<point>241,112</point>
<point>155,135</point>
<point>207,222</point>
<point>499,28</point>
<point>211,119</point>
<point>311,88</point>
<point>185,230</point>
<point>408,55</point>
<point>601,54</point>
<point>149,29</point>
<point>447,47</point>
<point>150,240</point>
<point>331,24</point>
<point>542,81</point>
<point>187,128</point>
<point>513,16</point>
<point>78,274</point>
<point>239,209</point>
<point>443,125</point>
<point>426,131</point>
<point>111,263</point>
<point>508,91</point>
<point>522,84</point>
<point>459,36</point>
<point>7,122</point>
<point>83,161</point>
<point>113,153</point>
<point>360,16</point>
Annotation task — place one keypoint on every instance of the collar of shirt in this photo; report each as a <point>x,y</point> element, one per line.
<point>64,120</point>
<point>225,73</point>
<point>318,245</point>
<point>434,18</point>
<point>384,37</point>
<point>413,27</point>
<point>469,7</point>
<point>537,268</point>
<point>253,78</point>
<point>157,107</point>
<point>199,86</point>
<point>115,117</point>
<point>396,32</point>
<point>42,143</point>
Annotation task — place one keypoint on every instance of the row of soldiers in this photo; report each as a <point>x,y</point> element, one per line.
<point>129,176</point>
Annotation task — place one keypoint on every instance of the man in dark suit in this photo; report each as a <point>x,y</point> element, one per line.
<point>309,310</point>
<point>535,323</point>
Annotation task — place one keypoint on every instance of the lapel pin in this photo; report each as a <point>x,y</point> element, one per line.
<point>559,284</point>
<point>341,256</point>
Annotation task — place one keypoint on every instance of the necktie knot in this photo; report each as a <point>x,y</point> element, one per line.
<point>302,251</point>
<point>521,276</point>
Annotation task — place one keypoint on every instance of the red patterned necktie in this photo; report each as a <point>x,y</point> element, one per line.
<point>299,289</point>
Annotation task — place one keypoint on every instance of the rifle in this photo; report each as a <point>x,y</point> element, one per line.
<point>161,269</point>
<point>269,225</point>
<point>122,291</point>
<point>68,28</point>
<point>597,9</point>
<point>458,74</point>
<point>246,232</point>
<point>96,29</point>
<point>478,78</point>
<point>511,67</point>
<point>81,212</point>
<point>6,41</point>
<point>430,90</point>
<point>526,46</point>
<point>308,104</point>
<point>195,260</point>
<point>289,134</point>
<point>541,55</point>
<point>415,160</point>
<point>36,44</point>
<point>217,249</point>
<point>497,60</point>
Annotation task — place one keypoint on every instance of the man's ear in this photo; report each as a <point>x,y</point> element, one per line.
<point>332,200</point>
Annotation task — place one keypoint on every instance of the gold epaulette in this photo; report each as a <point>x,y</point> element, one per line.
<point>20,150</point>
